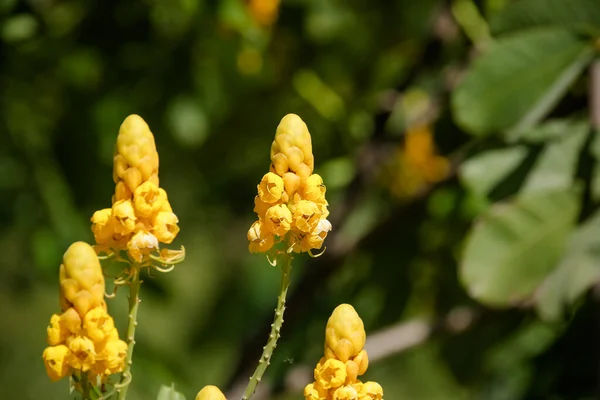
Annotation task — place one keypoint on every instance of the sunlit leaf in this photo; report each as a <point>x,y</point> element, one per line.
<point>582,15</point>
<point>556,166</point>
<point>169,393</point>
<point>514,84</point>
<point>514,246</point>
<point>577,272</point>
<point>486,170</point>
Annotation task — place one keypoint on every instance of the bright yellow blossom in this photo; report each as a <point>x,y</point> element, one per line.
<point>164,226</point>
<point>124,216</point>
<point>210,392</point>
<point>148,199</point>
<point>55,360</point>
<point>102,226</point>
<point>291,199</point>
<point>141,244</point>
<point>336,374</point>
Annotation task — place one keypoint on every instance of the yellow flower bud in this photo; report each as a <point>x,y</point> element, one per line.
<point>81,279</point>
<point>124,216</point>
<point>55,360</point>
<point>164,226</point>
<point>330,373</point>
<point>83,354</point>
<point>278,220</point>
<point>210,392</point>
<point>102,226</point>
<point>345,333</point>
<point>135,144</point>
<point>305,215</point>
<point>362,361</point>
<point>57,332</point>
<point>260,239</point>
<point>270,188</point>
<point>98,324</point>
<point>315,239</point>
<point>71,320</point>
<point>141,244</point>
<point>371,391</point>
<point>113,355</point>
<point>313,391</point>
<point>345,393</point>
<point>292,148</point>
<point>148,199</point>
<point>122,192</point>
<point>314,189</point>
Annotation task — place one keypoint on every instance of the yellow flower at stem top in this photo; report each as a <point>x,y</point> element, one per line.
<point>84,336</point>
<point>210,392</point>
<point>141,215</point>
<point>336,374</point>
<point>290,205</point>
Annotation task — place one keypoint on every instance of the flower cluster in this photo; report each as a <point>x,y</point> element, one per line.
<point>83,337</point>
<point>140,216</point>
<point>417,163</point>
<point>291,203</point>
<point>210,392</point>
<point>336,374</point>
<point>264,12</point>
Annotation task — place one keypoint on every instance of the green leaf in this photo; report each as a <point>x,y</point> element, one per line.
<point>513,247</point>
<point>552,129</point>
<point>556,166</point>
<point>581,15</point>
<point>595,181</point>
<point>169,393</point>
<point>486,170</point>
<point>514,84</point>
<point>577,272</point>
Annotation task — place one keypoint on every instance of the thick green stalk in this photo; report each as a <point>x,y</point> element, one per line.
<point>265,358</point>
<point>85,386</point>
<point>134,302</point>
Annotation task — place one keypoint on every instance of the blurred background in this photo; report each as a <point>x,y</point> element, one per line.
<point>456,139</point>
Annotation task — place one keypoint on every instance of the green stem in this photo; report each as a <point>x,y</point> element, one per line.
<point>265,358</point>
<point>134,302</point>
<point>85,386</point>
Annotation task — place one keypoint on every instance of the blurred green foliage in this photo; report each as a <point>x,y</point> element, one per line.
<point>514,224</point>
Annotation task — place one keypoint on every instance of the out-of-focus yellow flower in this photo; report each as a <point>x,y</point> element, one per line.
<point>55,360</point>
<point>345,333</point>
<point>336,374</point>
<point>260,239</point>
<point>417,163</point>
<point>270,188</point>
<point>330,373</point>
<point>141,215</point>
<point>264,12</point>
<point>210,392</point>
<point>84,336</point>
<point>291,200</point>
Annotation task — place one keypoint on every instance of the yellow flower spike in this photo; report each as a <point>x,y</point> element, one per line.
<point>102,226</point>
<point>137,150</point>
<point>260,239</point>
<point>210,392</point>
<point>270,188</point>
<point>371,391</point>
<point>55,360</point>
<point>141,244</point>
<point>313,391</point>
<point>292,148</point>
<point>124,216</point>
<point>148,199</point>
<point>362,361</point>
<point>291,183</point>
<point>305,215</point>
<point>122,192</point>
<point>330,374</point>
<point>345,333</point>
<point>81,278</point>
<point>56,332</point>
<point>164,226</point>
<point>113,355</point>
<point>278,220</point>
